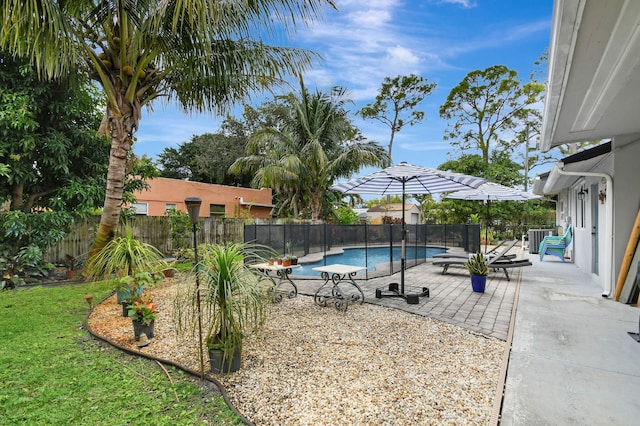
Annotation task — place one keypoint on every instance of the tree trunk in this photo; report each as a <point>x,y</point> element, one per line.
<point>17,200</point>
<point>315,204</point>
<point>121,129</point>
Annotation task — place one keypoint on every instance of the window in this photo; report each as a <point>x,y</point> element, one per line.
<point>216,210</point>
<point>169,207</point>
<point>140,208</point>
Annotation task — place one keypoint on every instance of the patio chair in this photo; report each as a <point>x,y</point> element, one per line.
<point>490,254</point>
<point>499,261</point>
<point>556,245</point>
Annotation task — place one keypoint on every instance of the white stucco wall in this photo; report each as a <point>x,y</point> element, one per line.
<point>626,155</point>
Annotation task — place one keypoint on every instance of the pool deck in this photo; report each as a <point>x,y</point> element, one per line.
<point>451,299</point>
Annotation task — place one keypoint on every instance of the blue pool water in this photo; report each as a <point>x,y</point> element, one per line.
<point>356,257</point>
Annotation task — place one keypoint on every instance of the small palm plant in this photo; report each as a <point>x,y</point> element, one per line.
<point>122,256</point>
<point>233,297</point>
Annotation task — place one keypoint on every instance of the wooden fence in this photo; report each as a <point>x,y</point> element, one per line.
<point>153,230</point>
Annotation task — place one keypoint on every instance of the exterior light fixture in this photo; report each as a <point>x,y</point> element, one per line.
<point>193,207</point>
<point>582,193</point>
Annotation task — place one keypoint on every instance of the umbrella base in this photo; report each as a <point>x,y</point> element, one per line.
<point>394,291</point>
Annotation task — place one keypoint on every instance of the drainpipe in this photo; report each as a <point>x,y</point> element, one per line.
<point>609,228</point>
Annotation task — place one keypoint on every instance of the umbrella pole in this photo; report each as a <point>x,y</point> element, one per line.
<point>486,228</point>
<point>404,234</point>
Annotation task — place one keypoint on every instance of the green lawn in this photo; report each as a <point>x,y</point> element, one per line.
<point>53,372</point>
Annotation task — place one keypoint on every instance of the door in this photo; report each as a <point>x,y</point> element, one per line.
<point>594,229</point>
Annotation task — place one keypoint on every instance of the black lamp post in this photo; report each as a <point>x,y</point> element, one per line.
<point>193,207</point>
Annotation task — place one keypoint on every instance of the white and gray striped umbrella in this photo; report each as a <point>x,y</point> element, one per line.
<point>493,192</point>
<point>489,192</point>
<point>406,178</point>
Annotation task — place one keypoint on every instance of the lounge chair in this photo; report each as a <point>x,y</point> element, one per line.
<point>490,254</point>
<point>556,245</point>
<point>499,261</point>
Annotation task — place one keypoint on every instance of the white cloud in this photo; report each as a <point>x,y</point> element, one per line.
<point>467,4</point>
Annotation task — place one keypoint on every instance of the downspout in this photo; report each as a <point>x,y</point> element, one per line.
<point>609,228</point>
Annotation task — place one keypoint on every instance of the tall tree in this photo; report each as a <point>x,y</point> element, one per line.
<point>485,107</point>
<point>312,144</point>
<point>203,54</point>
<point>207,157</point>
<point>396,102</point>
<point>48,139</point>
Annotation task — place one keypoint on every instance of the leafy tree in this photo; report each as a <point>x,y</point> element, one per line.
<point>49,141</point>
<point>346,216</point>
<point>395,103</point>
<point>485,106</point>
<point>204,55</point>
<point>207,158</point>
<point>395,199</point>
<point>310,143</point>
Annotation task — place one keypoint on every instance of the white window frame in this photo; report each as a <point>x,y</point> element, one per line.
<point>140,208</point>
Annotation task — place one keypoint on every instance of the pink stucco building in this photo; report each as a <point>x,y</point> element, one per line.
<point>217,200</point>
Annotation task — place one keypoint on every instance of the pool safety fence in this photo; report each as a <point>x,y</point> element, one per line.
<point>322,239</point>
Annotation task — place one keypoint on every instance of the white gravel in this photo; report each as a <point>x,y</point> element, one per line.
<point>317,366</point>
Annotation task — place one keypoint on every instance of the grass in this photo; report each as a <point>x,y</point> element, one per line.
<point>54,372</point>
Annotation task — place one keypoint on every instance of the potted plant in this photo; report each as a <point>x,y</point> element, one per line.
<point>143,315</point>
<point>477,267</point>
<point>294,259</point>
<point>234,303</point>
<point>129,288</point>
<point>72,263</point>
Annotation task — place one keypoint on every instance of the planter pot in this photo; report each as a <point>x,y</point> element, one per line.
<point>169,273</point>
<point>294,261</point>
<point>225,365</point>
<point>286,263</point>
<point>139,328</point>
<point>279,261</point>
<point>478,283</point>
<point>71,274</point>
<point>271,261</point>
<point>125,309</point>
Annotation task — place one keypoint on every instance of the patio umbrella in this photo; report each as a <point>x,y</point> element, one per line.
<point>488,192</point>
<point>406,178</point>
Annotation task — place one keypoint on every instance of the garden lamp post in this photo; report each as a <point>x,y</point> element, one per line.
<point>193,207</point>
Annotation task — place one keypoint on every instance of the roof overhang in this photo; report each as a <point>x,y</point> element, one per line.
<point>583,162</point>
<point>249,203</point>
<point>593,90</point>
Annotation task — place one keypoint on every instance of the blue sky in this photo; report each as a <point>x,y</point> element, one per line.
<point>365,41</point>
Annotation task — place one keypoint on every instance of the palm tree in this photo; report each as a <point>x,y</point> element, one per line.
<point>314,145</point>
<point>204,55</point>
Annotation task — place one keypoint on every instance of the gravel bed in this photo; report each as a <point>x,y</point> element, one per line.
<point>316,366</point>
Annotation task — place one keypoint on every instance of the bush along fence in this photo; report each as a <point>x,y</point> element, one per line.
<point>303,239</point>
<point>156,231</point>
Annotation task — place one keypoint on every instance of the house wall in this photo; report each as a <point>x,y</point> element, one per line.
<point>626,193</point>
<point>411,215</point>
<point>579,213</point>
<point>163,191</point>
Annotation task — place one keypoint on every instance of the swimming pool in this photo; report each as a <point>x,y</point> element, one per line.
<point>370,256</point>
